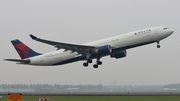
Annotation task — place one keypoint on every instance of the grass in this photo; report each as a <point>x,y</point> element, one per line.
<point>100,98</point>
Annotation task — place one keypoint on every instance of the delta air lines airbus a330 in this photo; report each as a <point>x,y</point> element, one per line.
<point>115,47</point>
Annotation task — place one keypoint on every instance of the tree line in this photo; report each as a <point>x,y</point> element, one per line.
<point>51,88</point>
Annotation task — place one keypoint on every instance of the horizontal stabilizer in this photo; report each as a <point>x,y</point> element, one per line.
<point>18,60</point>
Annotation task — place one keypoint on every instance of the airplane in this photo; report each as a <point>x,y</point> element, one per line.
<point>115,47</point>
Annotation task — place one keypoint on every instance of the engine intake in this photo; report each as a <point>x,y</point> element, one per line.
<point>119,54</point>
<point>103,50</point>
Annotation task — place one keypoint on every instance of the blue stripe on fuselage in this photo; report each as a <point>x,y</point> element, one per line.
<point>78,58</point>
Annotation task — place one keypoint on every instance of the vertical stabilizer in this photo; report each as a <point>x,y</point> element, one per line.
<point>23,50</point>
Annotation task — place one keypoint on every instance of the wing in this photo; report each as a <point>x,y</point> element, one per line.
<point>81,49</point>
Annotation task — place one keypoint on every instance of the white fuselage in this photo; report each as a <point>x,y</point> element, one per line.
<point>124,41</point>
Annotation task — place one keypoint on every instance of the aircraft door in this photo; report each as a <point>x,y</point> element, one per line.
<point>124,38</point>
<point>156,31</point>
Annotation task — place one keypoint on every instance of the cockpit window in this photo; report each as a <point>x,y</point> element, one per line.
<point>165,28</point>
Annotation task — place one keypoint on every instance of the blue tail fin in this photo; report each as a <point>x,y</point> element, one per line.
<point>23,50</point>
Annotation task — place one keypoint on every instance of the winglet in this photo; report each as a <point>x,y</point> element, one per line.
<point>33,37</point>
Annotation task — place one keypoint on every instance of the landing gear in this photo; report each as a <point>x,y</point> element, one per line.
<point>89,60</point>
<point>158,46</point>
<point>95,66</point>
<point>85,64</point>
<point>98,62</point>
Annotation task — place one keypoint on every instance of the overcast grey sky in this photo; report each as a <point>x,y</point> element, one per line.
<point>82,21</point>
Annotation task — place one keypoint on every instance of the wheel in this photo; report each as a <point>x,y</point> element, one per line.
<point>85,64</point>
<point>158,46</point>
<point>89,60</point>
<point>99,62</point>
<point>95,66</point>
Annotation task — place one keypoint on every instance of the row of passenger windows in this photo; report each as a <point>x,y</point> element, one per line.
<point>144,31</point>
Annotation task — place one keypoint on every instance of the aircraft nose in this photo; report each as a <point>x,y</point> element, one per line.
<point>171,31</point>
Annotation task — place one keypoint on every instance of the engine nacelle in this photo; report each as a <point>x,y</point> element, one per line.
<point>103,50</point>
<point>119,54</point>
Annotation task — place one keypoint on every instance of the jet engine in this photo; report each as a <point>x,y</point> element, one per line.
<point>119,54</point>
<point>103,50</point>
